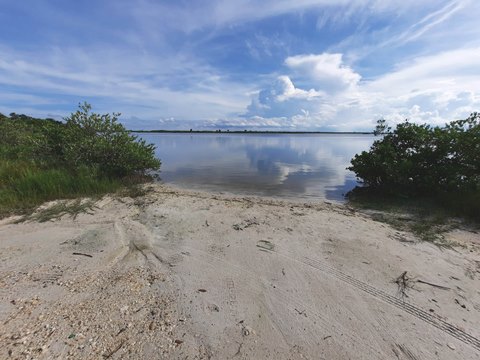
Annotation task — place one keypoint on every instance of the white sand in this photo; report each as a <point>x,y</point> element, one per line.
<point>182,275</point>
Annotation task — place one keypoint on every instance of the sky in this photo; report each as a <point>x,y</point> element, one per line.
<point>329,65</point>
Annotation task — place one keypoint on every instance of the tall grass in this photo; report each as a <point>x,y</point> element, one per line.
<point>25,185</point>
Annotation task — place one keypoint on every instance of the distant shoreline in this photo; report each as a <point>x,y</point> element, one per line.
<point>252,132</point>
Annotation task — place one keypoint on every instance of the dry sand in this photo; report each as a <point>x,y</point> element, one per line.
<point>183,275</point>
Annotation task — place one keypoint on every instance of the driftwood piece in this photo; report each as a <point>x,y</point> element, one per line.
<point>82,254</point>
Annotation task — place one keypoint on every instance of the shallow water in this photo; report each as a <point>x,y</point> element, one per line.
<point>299,166</point>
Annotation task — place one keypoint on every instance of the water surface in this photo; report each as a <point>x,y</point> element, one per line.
<point>300,166</point>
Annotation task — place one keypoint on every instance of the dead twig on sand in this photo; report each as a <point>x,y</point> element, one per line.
<point>301,312</point>
<point>82,254</point>
<point>434,285</point>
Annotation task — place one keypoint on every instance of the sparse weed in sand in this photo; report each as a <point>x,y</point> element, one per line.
<point>429,229</point>
<point>61,208</point>
<point>421,217</point>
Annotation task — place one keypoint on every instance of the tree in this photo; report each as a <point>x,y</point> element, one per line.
<point>101,141</point>
<point>381,127</point>
<point>420,159</point>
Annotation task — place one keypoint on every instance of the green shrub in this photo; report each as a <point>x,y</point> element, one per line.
<point>100,141</point>
<point>425,161</point>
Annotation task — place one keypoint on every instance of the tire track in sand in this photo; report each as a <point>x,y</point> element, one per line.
<point>411,309</point>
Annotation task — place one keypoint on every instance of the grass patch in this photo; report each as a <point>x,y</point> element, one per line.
<point>24,186</point>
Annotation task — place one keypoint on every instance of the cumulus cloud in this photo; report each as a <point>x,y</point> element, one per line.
<point>284,90</point>
<point>326,71</point>
<point>282,99</point>
<point>433,89</point>
<point>331,80</point>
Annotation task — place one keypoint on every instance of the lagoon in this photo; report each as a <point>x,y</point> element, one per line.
<point>292,166</point>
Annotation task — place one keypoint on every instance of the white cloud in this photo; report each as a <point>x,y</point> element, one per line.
<point>146,85</point>
<point>331,95</point>
<point>290,106</point>
<point>414,29</point>
<point>326,71</point>
<point>430,21</point>
<point>432,89</point>
<point>222,13</point>
<point>453,70</point>
<point>285,90</point>
<point>171,60</point>
<point>282,99</point>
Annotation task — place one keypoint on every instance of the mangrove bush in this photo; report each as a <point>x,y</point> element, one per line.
<point>87,154</point>
<point>423,161</point>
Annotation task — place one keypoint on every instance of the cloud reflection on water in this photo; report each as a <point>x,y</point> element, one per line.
<point>291,166</point>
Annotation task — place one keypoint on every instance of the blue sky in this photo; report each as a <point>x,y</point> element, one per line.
<point>244,64</point>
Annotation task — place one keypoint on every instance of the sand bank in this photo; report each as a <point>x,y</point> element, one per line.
<point>177,274</point>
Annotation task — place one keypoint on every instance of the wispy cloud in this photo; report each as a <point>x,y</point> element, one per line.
<point>271,63</point>
<point>427,23</point>
<point>179,88</point>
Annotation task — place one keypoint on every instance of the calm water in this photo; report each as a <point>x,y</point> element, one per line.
<point>291,166</point>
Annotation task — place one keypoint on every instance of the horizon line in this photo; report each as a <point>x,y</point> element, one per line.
<point>252,132</point>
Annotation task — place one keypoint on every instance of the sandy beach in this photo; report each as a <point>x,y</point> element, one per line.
<point>186,275</point>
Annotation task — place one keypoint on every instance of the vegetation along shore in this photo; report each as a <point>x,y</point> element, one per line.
<point>87,155</point>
